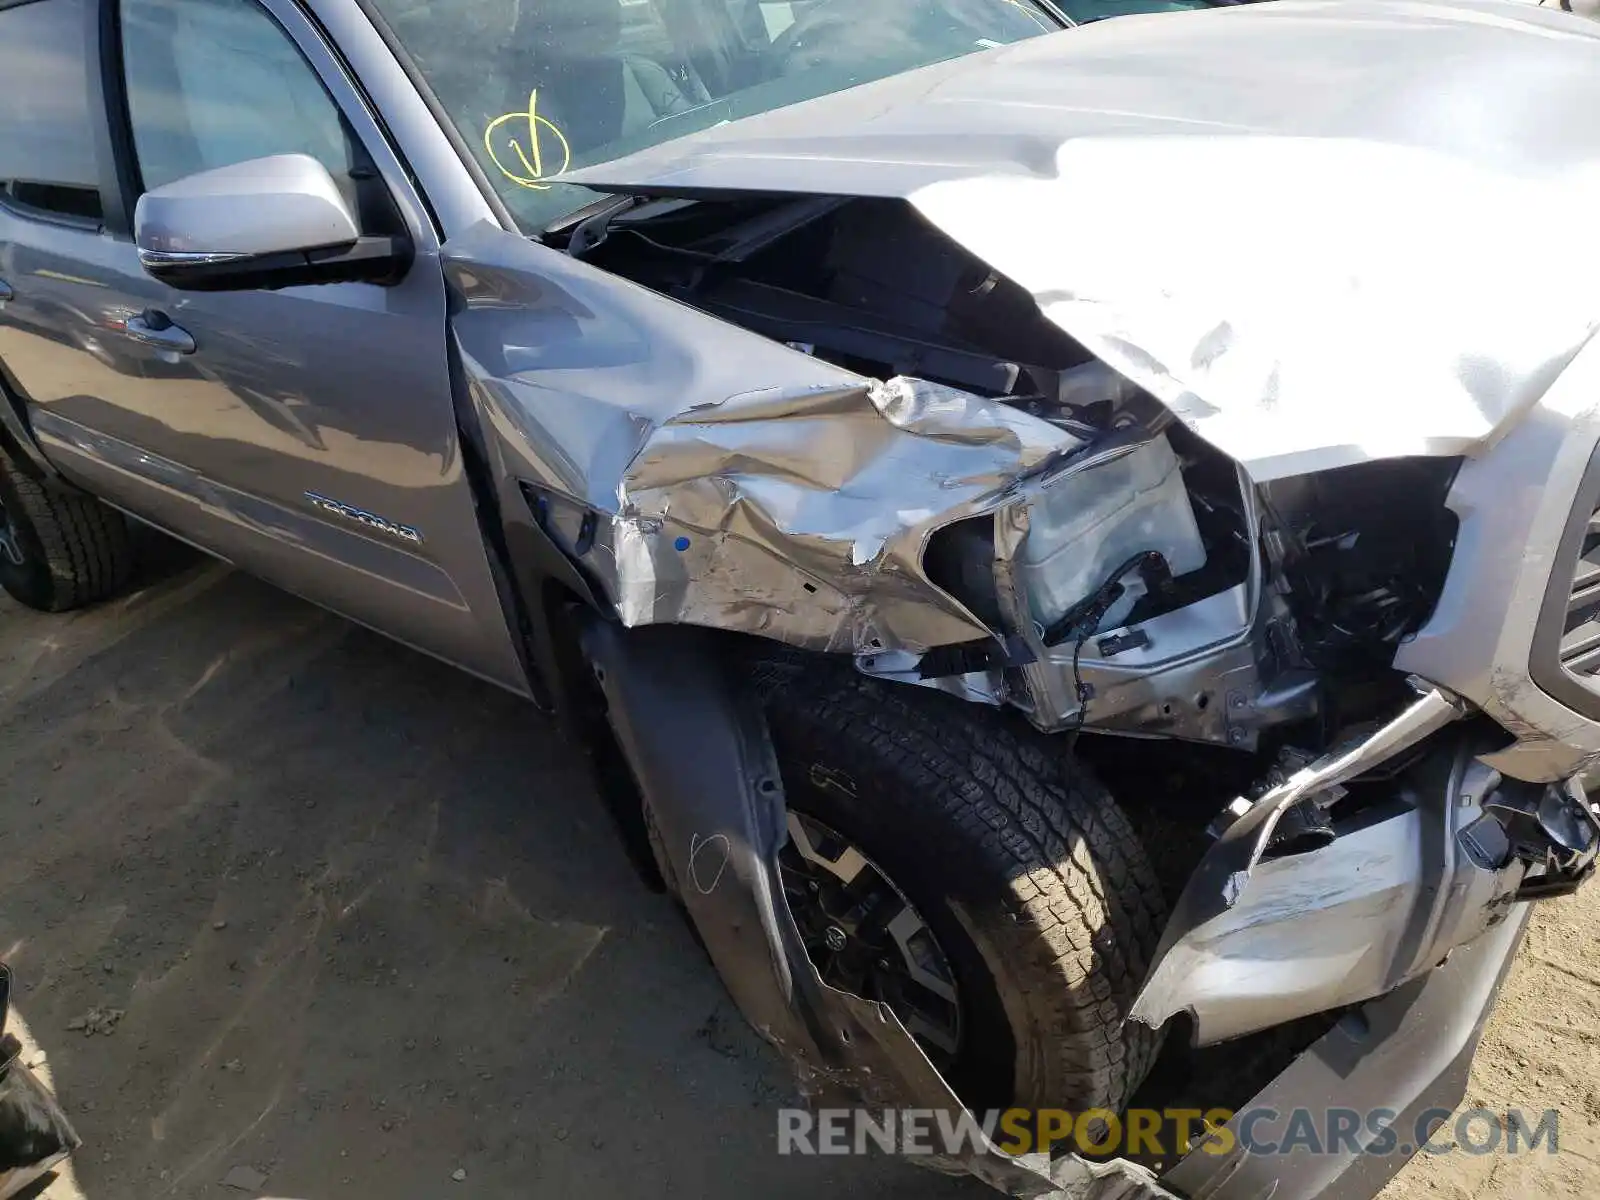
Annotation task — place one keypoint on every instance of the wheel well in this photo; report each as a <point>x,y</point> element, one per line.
<point>16,432</point>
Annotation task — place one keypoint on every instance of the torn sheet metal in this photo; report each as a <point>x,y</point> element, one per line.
<point>1321,233</point>
<point>1257,940</point>
<point>701,474</point>
<point>1227,875</point>
<point>707,476</point>
<point>696,740</point>
<point>767,492</point>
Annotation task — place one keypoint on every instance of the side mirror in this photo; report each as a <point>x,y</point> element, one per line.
<point>267,223</point>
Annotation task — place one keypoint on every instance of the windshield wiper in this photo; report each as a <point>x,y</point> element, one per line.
<point>605,206</point>
<point>1055,13</point>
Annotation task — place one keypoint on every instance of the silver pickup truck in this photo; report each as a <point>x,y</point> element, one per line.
<point>855,420</point>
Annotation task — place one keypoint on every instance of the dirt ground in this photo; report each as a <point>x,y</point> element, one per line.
<point>339,916</point>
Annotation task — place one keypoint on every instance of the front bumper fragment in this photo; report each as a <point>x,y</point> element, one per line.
<point>1438,851</point>
<point>1254,944</point>
<point>1408,1052</point>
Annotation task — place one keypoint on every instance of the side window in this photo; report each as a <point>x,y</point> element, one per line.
<point>47,136</point>
<point>212,83</point>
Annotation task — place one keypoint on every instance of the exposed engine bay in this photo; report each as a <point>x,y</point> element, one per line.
<point>836,423</point>
<point>1127,578</point>
<point>925,376</point>
<point>1141,605</point>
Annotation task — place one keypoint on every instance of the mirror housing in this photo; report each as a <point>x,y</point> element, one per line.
<point>267,223</point>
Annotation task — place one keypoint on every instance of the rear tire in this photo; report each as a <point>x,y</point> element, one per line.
<point>59,549</point>
<point>1023,867</point>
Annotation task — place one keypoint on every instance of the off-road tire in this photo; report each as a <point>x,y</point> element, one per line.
<point>75,550</point>
<point>1025,869</point>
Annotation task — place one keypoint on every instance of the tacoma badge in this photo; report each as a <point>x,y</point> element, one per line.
<point>362,517</point>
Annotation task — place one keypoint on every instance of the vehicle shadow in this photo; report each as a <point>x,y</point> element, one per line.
<point>285,897</point>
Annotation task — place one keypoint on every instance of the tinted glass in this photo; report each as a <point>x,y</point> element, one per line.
<point>540,87</point>
<point>47,161</point>
<point>212,83</point>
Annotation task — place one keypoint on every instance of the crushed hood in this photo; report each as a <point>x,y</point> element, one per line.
<point>1320,232</point>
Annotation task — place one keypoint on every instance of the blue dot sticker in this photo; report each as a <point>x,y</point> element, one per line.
<point>680,544</point>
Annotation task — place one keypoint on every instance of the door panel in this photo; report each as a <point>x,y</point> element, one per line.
<point>53,296</point>
<point>337,392</point>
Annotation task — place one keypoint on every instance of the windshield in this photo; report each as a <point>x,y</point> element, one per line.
<point>541,87</point>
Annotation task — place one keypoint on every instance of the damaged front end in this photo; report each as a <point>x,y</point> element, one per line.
<point>1155,501</point>
<point>1027,530</point>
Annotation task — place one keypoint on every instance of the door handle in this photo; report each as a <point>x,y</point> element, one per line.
<point>155,329</point>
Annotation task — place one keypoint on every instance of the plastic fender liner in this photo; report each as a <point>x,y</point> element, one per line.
<point>17,435</point>
<point>695,736</point>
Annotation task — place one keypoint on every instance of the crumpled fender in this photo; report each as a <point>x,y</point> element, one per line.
<point>696,740</point>
<point>701,474</point>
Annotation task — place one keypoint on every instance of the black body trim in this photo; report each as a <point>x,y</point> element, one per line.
<point>382,261</point>
<point>447,126</point>
<point>119,183</point>
<point>16,432</point>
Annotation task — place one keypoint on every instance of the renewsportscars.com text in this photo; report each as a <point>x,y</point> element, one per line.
<point>1167,1133</point>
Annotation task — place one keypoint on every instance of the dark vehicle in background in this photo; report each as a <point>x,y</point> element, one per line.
<point>860,423</point>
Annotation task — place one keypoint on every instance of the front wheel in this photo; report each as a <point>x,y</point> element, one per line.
<point>59,549</point>
<point>974,877</point>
